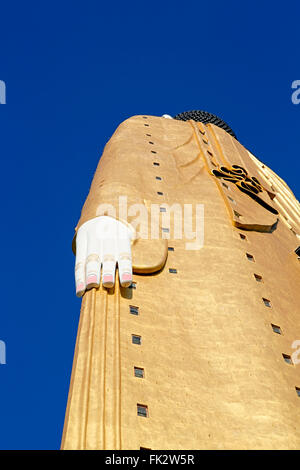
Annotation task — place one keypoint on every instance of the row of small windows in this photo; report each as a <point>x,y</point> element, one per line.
<point>163,209</point>
<point>237,214</point>
<point>276,328</point>
<point>165,230</point>
<point>142,410</point>
<point>139,372</point>
<point>258,278</point>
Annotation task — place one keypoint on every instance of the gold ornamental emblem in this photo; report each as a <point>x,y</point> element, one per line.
<point>245,183</point>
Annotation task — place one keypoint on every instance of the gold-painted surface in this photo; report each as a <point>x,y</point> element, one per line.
<point>214,377</point>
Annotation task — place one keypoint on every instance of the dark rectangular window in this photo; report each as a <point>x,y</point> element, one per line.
<point>133,310</point>
<point>298,391</point>
<point>267,302</point>
<point>163,209</point>
<point>142,410</point>
<point>172,270</point>
<point>170,248</point>
<point>160,193</point>
<point>158,178</point>
<point>287,359</point>
<point>165,230</point>
<point>139,372</point>
<point>136,339</point>
<point>155,163</point>
<point>276,329</point>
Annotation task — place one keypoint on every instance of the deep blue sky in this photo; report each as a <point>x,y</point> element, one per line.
<point>74,71</point>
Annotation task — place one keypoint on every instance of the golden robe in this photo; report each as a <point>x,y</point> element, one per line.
<point>214,323</point>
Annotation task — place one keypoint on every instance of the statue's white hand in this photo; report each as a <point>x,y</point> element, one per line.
<point>102,242</point>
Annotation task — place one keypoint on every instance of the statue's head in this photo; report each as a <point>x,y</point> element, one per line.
<point>205,117</point>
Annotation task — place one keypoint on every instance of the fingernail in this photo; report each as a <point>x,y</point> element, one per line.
<point>80,289</point>
<point>92,279</point>
<point>126,277</point>
<point>108,280</point>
